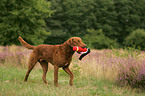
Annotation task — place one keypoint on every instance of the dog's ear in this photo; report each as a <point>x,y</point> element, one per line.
<point>70,42</point>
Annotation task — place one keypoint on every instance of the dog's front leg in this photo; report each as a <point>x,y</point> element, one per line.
<point>56,75</point>
<point>67,70</point>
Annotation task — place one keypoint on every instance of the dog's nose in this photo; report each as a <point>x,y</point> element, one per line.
<point>85,45</point>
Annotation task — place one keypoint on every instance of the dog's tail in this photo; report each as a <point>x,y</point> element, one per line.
<point>26,44</point>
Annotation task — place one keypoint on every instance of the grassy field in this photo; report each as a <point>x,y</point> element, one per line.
<point>94,76</point>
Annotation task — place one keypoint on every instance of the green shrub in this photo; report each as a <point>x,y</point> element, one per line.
<point>97,40</point>
<point>23,18</point>
<point>136,38</point>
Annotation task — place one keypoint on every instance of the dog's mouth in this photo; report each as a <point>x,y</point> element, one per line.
<point>84,46</point>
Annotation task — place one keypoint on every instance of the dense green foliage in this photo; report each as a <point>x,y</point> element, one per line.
<point>23,18</point>
<point>137,38</point>
<point>97,40</point>
<point>116,18</point>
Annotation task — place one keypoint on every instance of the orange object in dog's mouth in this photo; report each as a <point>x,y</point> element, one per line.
<point>79,49</point>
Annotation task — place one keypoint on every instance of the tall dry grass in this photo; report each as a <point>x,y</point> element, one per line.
<point>14,56</point>
<point>126,67</point>
<point>97,66</point>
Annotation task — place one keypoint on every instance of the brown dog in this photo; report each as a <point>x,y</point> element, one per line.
<point>57,55</point>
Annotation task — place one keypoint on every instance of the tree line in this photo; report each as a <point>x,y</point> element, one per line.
<point>100,23</point>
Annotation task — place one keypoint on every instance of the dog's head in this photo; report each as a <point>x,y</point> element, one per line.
<point>76,41</point>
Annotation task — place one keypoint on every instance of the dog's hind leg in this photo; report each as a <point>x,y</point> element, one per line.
<point>32,61</point>
<point>44,65</point>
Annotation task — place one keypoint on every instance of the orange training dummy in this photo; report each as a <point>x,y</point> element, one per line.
<point>84,51</point>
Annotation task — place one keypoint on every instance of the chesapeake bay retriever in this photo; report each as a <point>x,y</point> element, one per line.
<point>57,55</point>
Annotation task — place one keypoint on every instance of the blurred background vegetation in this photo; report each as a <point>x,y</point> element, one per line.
<point>100,23</point>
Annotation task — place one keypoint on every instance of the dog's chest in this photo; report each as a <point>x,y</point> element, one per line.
<point>61,60</point>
